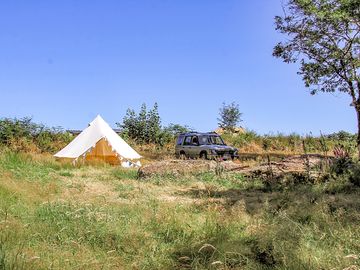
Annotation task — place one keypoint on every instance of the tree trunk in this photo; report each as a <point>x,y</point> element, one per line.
<point>357,108</point>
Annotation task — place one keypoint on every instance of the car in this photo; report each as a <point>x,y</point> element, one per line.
<point>203,145</point>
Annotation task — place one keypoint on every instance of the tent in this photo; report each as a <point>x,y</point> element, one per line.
<point>100,142</point>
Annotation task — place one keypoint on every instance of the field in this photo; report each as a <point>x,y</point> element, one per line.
<point>56,216</point>
<point>271,201</point>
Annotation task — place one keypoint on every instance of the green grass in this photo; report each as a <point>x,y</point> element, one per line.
<point>250,142</point>
<point>24,167</point>
<point>215,222</point>
<point>121,173</point>
<point>21,167</point>
<point>230,181</point>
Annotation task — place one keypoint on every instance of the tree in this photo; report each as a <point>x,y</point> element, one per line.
<point>153,124</point>
<point>130,125</point>
<point>324,36</point>
<point>230,116</point>
<point>176,129</point>
<point>144,127</point>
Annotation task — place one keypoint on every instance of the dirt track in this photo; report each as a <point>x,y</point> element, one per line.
<point>293,164</point>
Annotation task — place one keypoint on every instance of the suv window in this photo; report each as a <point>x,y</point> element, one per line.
<point>204,140</point>
<point>187,140</point>
<point>180,140</point>
<point>195,140</point>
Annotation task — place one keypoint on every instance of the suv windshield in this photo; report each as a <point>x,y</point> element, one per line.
<point>216,140</point>
<point>204,140</point>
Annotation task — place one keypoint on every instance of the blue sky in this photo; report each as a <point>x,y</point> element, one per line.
<point>64,62</point>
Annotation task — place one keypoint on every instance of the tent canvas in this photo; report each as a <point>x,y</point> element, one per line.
<point>100,142</point>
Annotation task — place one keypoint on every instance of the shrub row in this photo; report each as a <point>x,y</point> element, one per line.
<point>26,136</point>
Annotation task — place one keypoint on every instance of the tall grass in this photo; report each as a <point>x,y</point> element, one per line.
<point>237,225</point>
<point>23,166</point>
<point>250,142</point>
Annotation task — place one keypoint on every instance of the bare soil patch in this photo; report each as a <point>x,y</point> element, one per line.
<point>293,164</point>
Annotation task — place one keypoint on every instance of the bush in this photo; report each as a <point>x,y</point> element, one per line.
<point>341,165</point>
<point>242,139</point>
<point>355,175</point>
<point>145,127</point>
<point>339,184</point>
<point>25,135</point>
<point>342,136</point>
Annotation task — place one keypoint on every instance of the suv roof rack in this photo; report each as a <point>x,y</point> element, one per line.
<point>191,132</point>
<point>196,132</point>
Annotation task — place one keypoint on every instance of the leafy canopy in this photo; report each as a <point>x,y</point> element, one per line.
<point>145,127</point>
<point>229,116</point>
<point>324,35</point>
<point>25,135</point>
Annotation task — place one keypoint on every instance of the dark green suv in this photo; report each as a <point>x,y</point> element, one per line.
<point>203,145</point>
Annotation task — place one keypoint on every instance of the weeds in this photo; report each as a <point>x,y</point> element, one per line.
<point>25,135</point>
<point>233,224</point>
<point>24,167</point>
<point>121,173</point>
<point>250,142</point>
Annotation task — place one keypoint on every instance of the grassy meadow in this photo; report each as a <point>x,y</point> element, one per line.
<point>56,216</point>
<point>280,202</point>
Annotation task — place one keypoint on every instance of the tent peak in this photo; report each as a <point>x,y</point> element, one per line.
<point>97,119</point>
<point>98,129</point>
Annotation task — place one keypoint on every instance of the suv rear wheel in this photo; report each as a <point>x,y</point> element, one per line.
<point>203,155</point>
<point>182,155</point>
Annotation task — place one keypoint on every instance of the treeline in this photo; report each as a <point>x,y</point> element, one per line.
<point>25,135</point>
<point>145,128</point>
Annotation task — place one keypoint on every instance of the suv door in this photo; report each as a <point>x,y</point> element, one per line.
<point>190,146</point>
<point>195,149</point>
<point>179,145</point>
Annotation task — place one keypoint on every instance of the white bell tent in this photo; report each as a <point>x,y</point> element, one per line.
<point>100,142</point>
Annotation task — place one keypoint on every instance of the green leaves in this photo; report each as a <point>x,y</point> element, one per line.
<point>144,127</point>
<point>229,116</point>
<point>324,35</point>
<point>25,135</point>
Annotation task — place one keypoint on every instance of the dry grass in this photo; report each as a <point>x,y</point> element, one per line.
<point>100,217</point>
